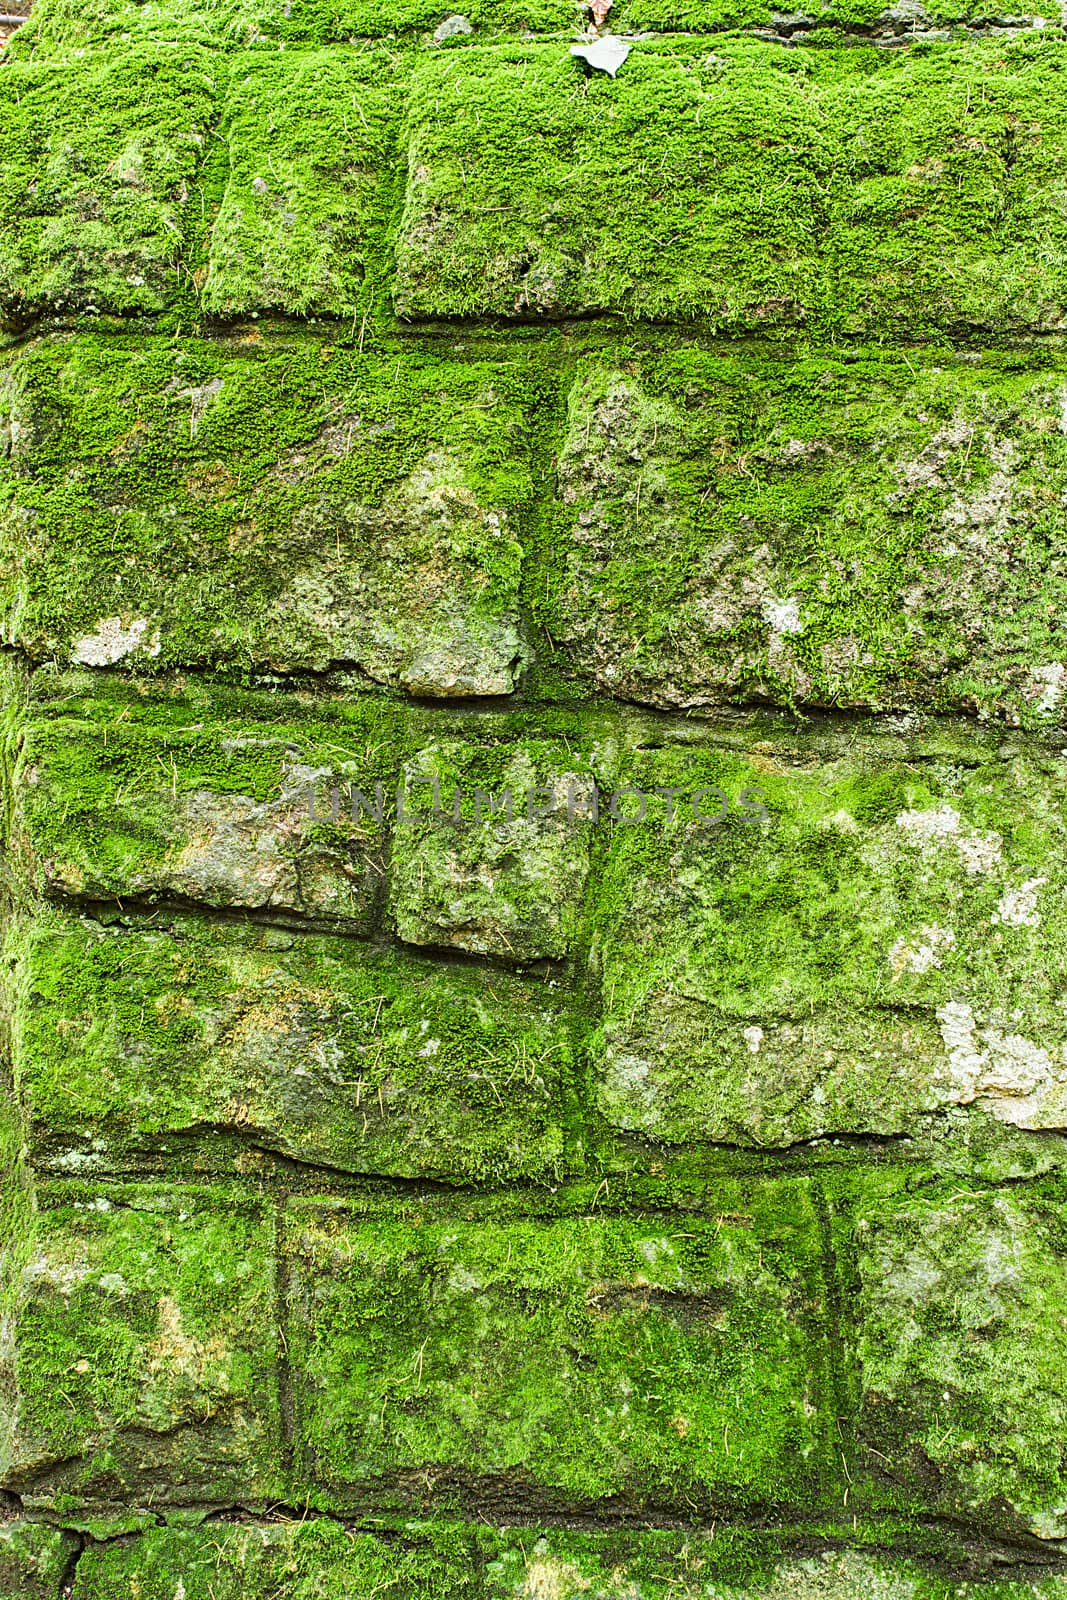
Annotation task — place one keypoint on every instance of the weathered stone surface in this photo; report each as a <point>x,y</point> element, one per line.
<point>145,1359</point>
<point>499,879</point>
<point>217,799</point>
<point>961,1344</point>
<point>585,1357</point>
<point>131,1043</point>
<point>295,509</point>
<point>310,144</point>
<point>443,1560</point>
<point>883,944</point>
<point>747,188</point>
<point>34,1560</point>
<point>97,167</point>
<point>865,530</point>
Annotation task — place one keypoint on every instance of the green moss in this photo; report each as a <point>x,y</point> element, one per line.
<point>311,168</point>
<point>317,1048</point>
<point>99,164</point>
<point>442,1560</point>
<point>677,1363</point>
<point>767,982</point>
<point>961,1346</point>
<point>34,1560</point>
<point>144,1364</point>
<point>150,799</point>
<point>290,505</point>
<point>489,874</point>
<point>849,190</point>
<point>870,529</point>
<point>58,27</point>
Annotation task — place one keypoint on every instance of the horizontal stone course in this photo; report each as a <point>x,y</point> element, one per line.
<point>225,1562</point>
<point>700,526</point>
<point>838,191</point>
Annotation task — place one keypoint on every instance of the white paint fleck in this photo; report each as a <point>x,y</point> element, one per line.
<point>112,640</point>
<point>1017,908</point>
<point>430,1048</point>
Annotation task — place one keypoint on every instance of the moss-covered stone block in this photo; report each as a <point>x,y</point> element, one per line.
<point>961,1345</point>
<point>99,158</point>
<point>288,504</point>
<point>864,530</point>
<point>215,1041</point>
<point>34,1560</point>
<point>227,799</point>
<point>752,188</point>
<point>301,1560</point>
<point>311,169</point>
<point>494,849</point>
<point>145,1352</point>
<point>839,946</point>
<point>576,1360</point>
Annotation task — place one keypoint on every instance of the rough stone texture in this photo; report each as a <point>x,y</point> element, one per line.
<point>962,1344</point>
<point>34,1560</point>
<point>849,531</point>
<point>532,754</point>
<point>873,948</point>
<point>587,1356</point>
<point>141,1361</point>
<point>126,1040</point>
<point>294,510</point>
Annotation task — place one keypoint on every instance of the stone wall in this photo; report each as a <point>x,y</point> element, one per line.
<point>533,755</point>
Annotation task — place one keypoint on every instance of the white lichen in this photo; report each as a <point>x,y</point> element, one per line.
<point>753,1037</point>
<point>1017,908</point>
<point>782,616</point>
<point>979,853</point>
<point>921,954</point>
<point>1047,685</point>
<point>112,640</point>
<point>1009,1073</point>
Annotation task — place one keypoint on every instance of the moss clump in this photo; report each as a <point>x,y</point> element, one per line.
<point>311,169</point>
<point>586,1357</point>
<point>59,27</point>
<point>143,1365</point>
<point>166,797</point>
<point>823,22</point>
<point>291,505</point>
<point>867,529</point>
<point>765,982</point>
<point>99,162</point>
<point>34,1560</point>
<point>961,1343</point>
<point>316,1048</point>
<point>476,866</point>
<point>841,189</point>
